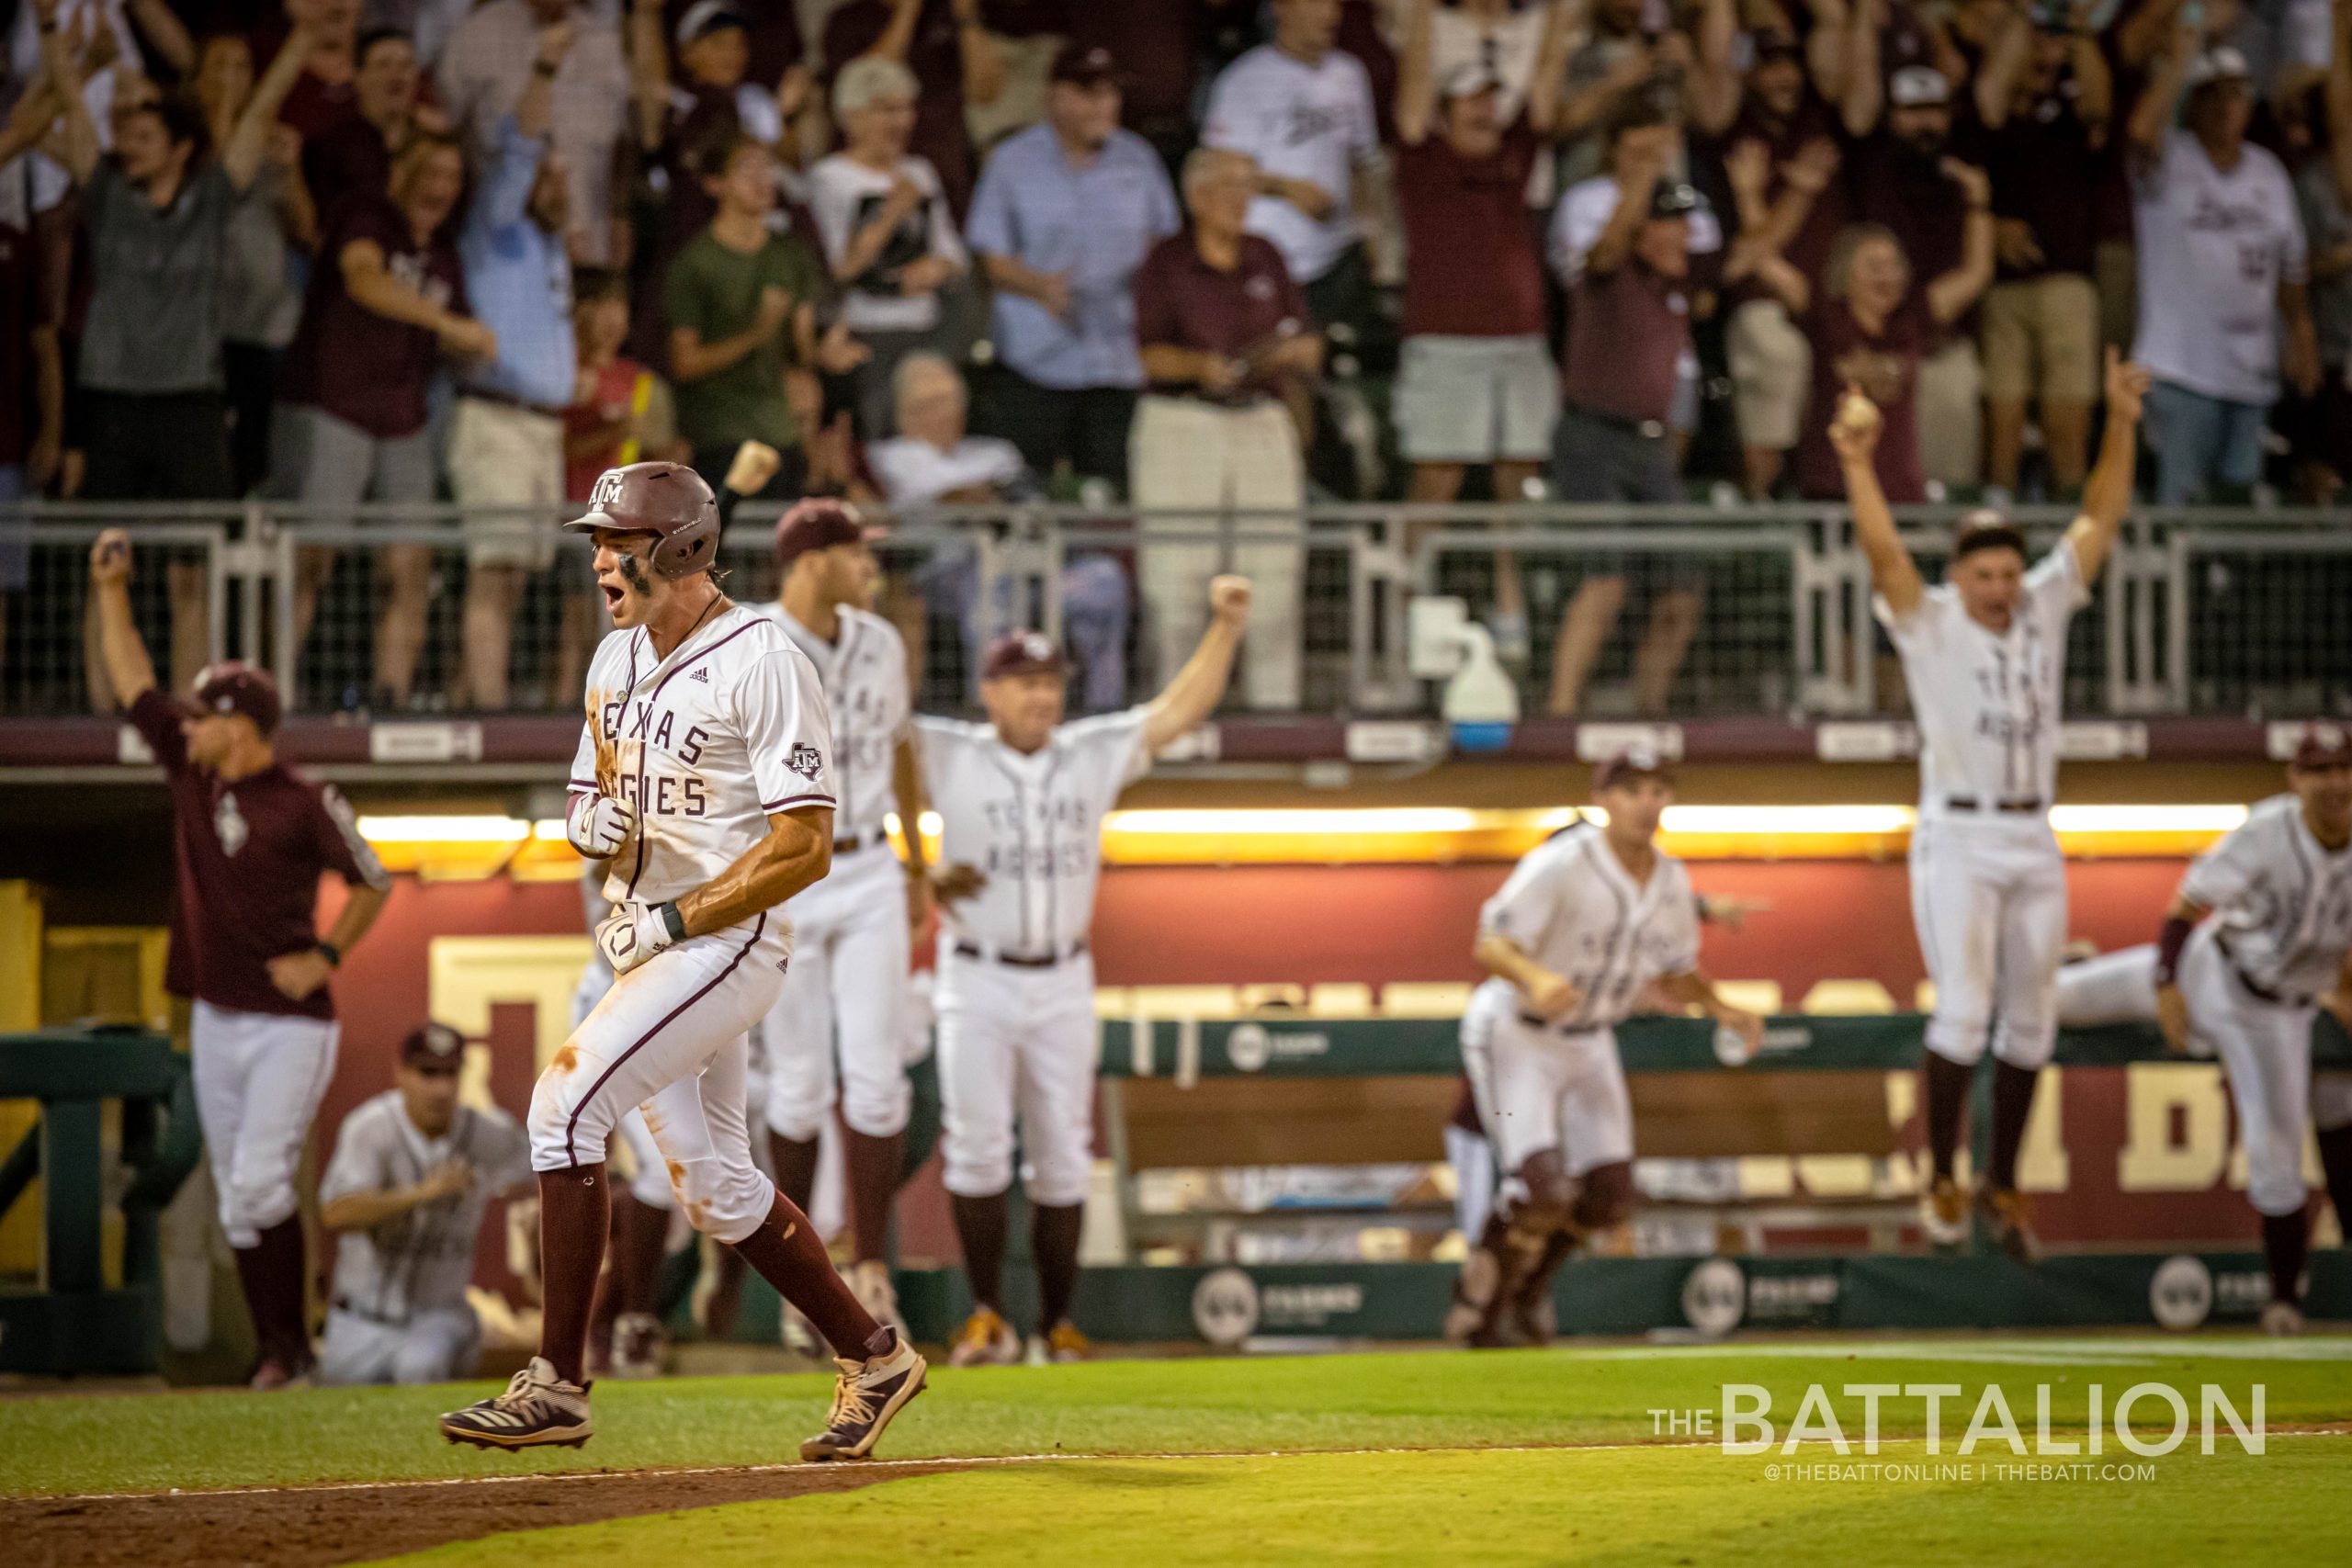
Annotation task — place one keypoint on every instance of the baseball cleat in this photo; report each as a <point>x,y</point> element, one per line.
<point>1533,1315</point>
<point>2008,1217</point>
<point>1943,1213</point>
<point>2282,1320</point>
<point>1065,1344</point>
<point>640,1346</point>
<point>866,1396</point>
<point>539,1409</point>
<point>985,1340</point>
<point>1470,1320</point>
<point>273,1374</point>
<point>870,1283</point>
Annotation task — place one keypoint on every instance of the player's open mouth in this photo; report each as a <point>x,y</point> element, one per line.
<point>613,597</point>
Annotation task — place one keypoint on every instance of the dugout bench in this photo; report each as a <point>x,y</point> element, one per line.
<point>1814,1122</point>
<point>70,1319</point>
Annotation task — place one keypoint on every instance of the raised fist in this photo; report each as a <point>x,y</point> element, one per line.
<point>1229,599</point>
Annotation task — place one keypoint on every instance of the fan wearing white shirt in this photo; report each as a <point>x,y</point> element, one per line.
<point>2224,306</point>
<point>1021,801</point>
<point>1302,108</point>
<point>886,228</point>
<point>1984,655</point>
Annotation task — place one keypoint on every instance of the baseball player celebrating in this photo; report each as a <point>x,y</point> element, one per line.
<point>627,1338</point>
<point>2246,985</point>
<point>1984,655</point>
<point>1584,925</point>
<point>703,777</point>
<point>251,838</point>
<point>1020,800</point>
<point>853,933</point>
<point>412,1175</point>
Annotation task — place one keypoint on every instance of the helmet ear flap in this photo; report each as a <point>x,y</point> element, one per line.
<point>689,550</point>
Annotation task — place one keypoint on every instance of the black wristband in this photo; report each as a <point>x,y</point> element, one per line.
<point>541,68</point>
<point>672,922</point>
<point>330,952</point>
<point>2169,942</point>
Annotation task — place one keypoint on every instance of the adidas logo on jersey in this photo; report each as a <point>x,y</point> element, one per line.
<point>704,676</point>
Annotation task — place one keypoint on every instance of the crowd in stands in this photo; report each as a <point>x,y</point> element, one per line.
<point>1206,254</point>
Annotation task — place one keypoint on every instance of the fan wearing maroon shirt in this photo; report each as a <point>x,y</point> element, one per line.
<point>1872,327</point>
<point>387,300</point>
<point>252,839</point>
<point>1628,326</point>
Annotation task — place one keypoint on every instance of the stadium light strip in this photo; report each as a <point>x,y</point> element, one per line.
<point>463,846</point>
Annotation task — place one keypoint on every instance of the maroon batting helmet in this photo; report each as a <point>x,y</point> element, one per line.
<point>668,500</point>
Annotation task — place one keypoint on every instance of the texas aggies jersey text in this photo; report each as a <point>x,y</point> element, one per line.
<point>708,743</point>
<point>1988,702</point>
<point>1032,824</point>
<point>1571,905</point>
<point>863,674</point>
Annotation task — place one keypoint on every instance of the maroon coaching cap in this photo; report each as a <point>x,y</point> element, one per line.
<point>1084,65</point>
<point>234,686</point>
<point>818,524</point>
<point>1633,763</point>
<point>1022,653</point>
<point>2324,745</point>
<point>433,1046</point>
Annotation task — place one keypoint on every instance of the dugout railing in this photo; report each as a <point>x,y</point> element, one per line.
<point>2200,611</point>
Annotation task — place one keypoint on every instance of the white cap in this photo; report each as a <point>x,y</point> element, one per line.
<point>2220,64</point>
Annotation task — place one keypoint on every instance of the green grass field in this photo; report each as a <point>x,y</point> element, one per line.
<point>1291,1467</point>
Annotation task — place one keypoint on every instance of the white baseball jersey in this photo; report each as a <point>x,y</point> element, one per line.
<point>710,742</point>
<point>2282,904</point>
<point>864,680</point>
<point>1572,906</point>
<point>1032,823</point>
<point>421,1260</point>
<point>1988,703</point>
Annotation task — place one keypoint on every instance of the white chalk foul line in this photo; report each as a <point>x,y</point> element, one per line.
<point>940,1462</point>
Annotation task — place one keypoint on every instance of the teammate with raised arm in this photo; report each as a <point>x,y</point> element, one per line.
<point>1586,922</point>
<point>845,999</point>
<point>703,777</point>
<point>1021,801</point>
<point>251,838</point>
<point>1984,655</point>
<point>2246,986</point>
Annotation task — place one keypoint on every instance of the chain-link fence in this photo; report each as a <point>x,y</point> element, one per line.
<point>1677,612</point>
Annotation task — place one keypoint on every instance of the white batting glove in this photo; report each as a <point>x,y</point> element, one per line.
<point>599,826</point>
<point>634,932</point>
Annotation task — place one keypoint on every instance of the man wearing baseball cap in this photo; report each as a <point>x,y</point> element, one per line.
<point>2224,313</point>
<point>2247,985</point>
<point>1583,927</point>
<point>836,1034</point>
<point>412,1179</point>
<point>1064,215</point>
<point>1020,800</point>
<point>251,838</point>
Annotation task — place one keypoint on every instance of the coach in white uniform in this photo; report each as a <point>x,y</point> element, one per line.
<point>703,776</point>
<point>1984,655</point>
<point>845,997</point>
<point>1021,801</point>
<point>412,1175</point>
<point>2246,986</point>
<point>1586,922</point>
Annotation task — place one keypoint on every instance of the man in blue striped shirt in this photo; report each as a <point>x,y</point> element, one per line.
<point>506,442</point>
<point>1064,215</point>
